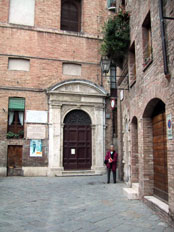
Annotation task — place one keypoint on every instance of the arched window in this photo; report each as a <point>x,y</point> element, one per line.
<point>71,15</point>
<point>77,117</point>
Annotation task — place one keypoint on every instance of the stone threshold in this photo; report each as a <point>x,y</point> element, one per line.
<point>160,204</point>
<point>79,173</point>
<point>160,208</point>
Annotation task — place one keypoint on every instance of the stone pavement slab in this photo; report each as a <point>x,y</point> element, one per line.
<point>72,204</point>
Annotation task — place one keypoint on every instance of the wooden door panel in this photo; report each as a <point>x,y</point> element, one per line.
<point>160,157</point>
<point>159,139</point>
<point>14,160</point>
<point>81,142</point>
<point>157,132</point>
<point>158,118</point>
<point>15,156</point>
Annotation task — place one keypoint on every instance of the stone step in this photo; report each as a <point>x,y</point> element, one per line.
<point>15,172</point>
<point>135,186</point>
<point>131,193</point>
<point>79,173</point>
<point>160,204</point>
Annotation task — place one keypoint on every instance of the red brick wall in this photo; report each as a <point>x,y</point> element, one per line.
<point>150,83</point>
<point>47,47</point>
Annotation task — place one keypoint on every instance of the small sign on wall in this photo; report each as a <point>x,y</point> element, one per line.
<point>169,126</point>
<point>36,132</point>
<point>36,116</point>
<point>121,95</point>
<point>35,148</point>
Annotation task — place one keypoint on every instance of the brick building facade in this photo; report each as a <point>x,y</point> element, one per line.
<point>146,103</point>
<point>50,71</point>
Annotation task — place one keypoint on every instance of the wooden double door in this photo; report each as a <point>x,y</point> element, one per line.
<point>77,141</point>
<point>77,147</point>
<point>160,157</point>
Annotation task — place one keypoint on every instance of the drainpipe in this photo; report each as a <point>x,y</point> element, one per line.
<point>163,37</point>
<point>121,171</point>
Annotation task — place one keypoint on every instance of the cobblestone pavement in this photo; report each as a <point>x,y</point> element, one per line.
<point>67,204</point>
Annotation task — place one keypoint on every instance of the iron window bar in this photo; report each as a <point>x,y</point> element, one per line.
<point>169,18</point>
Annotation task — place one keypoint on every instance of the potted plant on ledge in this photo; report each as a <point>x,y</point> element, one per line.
<point>116,37</point>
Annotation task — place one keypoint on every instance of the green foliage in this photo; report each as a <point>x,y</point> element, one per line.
<point>116,37</point>
<point>11,135</point>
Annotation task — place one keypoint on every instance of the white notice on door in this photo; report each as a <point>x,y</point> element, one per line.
<point>73,151</point>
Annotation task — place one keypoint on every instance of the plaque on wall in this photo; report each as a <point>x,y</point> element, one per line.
<point>36,116</point>
<point>36,132</point>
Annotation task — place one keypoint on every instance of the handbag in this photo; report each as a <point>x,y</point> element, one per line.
<point>105,162</point>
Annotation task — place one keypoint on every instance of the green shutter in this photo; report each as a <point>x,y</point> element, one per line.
<point>16,104</point>
<point>109,3</point>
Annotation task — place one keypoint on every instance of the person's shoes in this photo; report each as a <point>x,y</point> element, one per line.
<point>115,182</point>
<point>108,182</point>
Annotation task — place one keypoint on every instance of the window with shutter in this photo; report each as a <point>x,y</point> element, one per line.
<point>111,4</point>
<point>16,108</point>
<point>71,15</point>
<point>147,41</point>
<point>132,65</point>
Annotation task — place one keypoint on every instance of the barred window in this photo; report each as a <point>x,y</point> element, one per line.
<point>147,40</point>
<point>71,15</point>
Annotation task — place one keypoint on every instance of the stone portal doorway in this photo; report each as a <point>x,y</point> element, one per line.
<point>77,141</point>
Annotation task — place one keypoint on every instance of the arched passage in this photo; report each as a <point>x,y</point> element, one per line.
<point>77,141</point>
<point>155,150</point>
<point>134,151</point>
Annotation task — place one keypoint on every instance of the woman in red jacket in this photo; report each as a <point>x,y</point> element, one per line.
<point>111,163</point>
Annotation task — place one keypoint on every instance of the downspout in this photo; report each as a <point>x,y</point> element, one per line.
<point>121,173</point>
<point>163,37</point>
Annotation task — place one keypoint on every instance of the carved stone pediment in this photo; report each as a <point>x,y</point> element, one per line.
<point>81,87</point>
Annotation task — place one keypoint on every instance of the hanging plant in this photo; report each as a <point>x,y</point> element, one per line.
<point>116,37</point>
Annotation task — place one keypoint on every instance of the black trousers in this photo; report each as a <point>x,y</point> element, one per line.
<point>109,173</point>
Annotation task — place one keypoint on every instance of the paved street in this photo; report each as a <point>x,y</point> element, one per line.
<point>67,204</point>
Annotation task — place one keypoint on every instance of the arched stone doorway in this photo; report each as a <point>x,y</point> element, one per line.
<point>134,151</point>
<point>65,99</point>
<point>77,141</point>
<point>155,150</point>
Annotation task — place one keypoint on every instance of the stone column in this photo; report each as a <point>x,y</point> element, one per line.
<point>93,155</point>
<point>55,164</point>
<point>99,139</point>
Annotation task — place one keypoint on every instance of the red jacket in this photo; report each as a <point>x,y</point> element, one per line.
<point>114,162</point>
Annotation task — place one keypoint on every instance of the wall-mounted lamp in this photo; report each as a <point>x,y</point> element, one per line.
<point>105,64</point>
